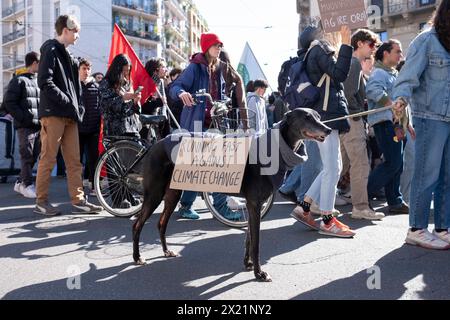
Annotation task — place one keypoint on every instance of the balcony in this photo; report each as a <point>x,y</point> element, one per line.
<point>142,36</point>
<point>10,63</point>
<point>176,52</point>
<point>151,10</point>
<point>13,36</point>
<point>14,9</point>
<point>404,7</point>
<point>176,31</point>
<point>176,8</point>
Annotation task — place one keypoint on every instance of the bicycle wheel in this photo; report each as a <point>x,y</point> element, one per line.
<point>118,193</point>
<point>240,210</point>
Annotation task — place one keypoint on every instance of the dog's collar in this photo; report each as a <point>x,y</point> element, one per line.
<point>291,158</point>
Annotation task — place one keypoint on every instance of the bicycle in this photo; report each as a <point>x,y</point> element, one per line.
<point>118,174</point>
<point>118,177</point>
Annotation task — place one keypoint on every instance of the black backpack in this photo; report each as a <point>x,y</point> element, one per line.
<point>283,75</point>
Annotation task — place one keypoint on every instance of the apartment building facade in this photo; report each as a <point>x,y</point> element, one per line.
<point>155,28</point>
<point>196,26</point>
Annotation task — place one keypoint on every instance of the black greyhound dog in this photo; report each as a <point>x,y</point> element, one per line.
<point>296,126</point>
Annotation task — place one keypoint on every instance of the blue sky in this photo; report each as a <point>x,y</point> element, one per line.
<point>270,27</point>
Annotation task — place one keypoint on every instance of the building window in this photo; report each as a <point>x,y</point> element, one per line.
<point>427,2</point>
<point>57,10</point>
<point>383,36</point>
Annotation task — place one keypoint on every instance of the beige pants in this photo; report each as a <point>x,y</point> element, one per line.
<point>58,131</point>
<point>354,145</point>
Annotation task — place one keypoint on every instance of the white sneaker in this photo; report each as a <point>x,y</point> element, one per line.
<point>316,210</point>
<point>347,197</point>
<point>18,187</point>
<point>423,238</point>
<point>444,236</point>
<point>29,192</point>
<point>235,204</point>
<point>367,214</point>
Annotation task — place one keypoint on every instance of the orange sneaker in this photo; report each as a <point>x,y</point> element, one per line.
<point>304,217</point>
<point>336,228</point>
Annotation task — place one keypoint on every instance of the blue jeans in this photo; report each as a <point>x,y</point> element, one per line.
<point>323,189</point>
<point>431,174</point>
<point>302,177</point>
<point>408,168</point>
<point>388,173</point>
<point>188,198</point>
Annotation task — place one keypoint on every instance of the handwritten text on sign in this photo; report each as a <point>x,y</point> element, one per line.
<point>336,13</point>
<point>210,164</point>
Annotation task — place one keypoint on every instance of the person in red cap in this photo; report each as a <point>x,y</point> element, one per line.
<point>205,71</point>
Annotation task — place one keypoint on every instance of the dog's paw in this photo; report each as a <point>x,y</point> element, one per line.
<point>263,276</point>
<point>248,266</point>
<point>140,262</point>
<point>170,254</point>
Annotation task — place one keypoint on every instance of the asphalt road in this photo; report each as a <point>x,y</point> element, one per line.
<point>89,257</point>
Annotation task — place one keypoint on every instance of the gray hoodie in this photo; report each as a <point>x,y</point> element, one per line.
<point>257,114</point>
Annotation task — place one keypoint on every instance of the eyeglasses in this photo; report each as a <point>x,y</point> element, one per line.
<point>373,44</point>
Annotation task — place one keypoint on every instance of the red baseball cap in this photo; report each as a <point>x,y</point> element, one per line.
<point>207,40</point>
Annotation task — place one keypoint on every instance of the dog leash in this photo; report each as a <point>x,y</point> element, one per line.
<point>364,113</point>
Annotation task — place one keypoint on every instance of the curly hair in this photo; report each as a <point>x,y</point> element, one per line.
<point>441,22</point>
<point>153,64</point>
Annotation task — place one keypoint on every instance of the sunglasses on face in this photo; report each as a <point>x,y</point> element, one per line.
<point>372,45</point>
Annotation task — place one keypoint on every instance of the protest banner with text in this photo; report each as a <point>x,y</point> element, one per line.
<point>336,13</point>
<point>210,164</point>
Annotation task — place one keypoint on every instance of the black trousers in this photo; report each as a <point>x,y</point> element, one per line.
<point>89,148</point>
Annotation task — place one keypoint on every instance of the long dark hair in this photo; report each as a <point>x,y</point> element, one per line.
<point>441,22</point>
<point>114,73</point>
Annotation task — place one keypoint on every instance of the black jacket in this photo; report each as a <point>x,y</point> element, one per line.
<point>321,60</point>
<point>59,83</point>
<point>22,101</point>
<point>91,103</point>
<point>119,117</point>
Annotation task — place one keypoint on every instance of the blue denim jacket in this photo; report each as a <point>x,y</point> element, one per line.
<point>425,78</point>
<point>378,91</point>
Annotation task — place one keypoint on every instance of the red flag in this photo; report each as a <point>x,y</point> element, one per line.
<point>139,75</point>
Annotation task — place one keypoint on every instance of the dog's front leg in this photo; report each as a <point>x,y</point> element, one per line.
<point>171,199</point>
<point>254,222</point>
<point>248,263</point>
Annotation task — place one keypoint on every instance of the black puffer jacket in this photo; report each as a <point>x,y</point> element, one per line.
<point>22,101</point>
<point>59,83</point>
<point>91,103</point>
<point>321,60</point>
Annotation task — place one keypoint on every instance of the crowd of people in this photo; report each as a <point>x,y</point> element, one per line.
<point>400,154</point>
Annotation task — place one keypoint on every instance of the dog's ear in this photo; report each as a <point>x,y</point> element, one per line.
<point>287,115</point>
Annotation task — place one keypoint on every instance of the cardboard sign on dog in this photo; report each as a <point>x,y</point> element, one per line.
<point>210,164</point>
<point>336,13</point>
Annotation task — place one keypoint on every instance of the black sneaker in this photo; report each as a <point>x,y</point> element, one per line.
<point>400,209</point>
<point>86,208</point>
<point>291,196</point>
<point>46,209</point>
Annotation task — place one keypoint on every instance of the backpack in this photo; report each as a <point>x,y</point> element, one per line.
<point>283,75</point>
<point>300,92</point>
